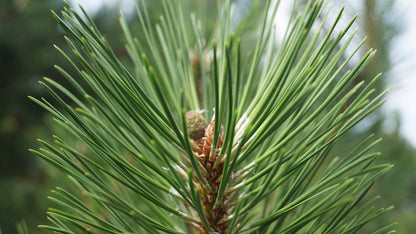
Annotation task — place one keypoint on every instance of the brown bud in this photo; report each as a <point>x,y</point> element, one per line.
<point>196,124</point>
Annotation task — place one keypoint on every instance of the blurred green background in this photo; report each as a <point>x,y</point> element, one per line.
<point>27,33</point>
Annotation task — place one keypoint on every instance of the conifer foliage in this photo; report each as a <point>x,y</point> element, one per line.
<point>207,134</point>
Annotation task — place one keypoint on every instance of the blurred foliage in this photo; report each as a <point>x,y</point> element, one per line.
<point>398,186</point>
<point>382,25</point>
<point>27,33</point>
<point>379,22</point>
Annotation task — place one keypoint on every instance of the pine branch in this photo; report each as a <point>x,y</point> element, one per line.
<point>262,163</point>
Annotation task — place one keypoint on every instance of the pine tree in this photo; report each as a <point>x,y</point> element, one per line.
<point>209,135</point>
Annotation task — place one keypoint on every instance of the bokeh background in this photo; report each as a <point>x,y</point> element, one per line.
<point>28,33</point>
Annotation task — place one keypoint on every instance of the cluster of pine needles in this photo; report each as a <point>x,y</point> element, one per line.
<point>212,130</point>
